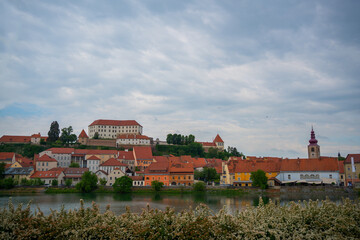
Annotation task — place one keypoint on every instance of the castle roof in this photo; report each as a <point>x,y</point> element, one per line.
<point>115,122</point>
<point>218,139</point>
<point>83,134</point>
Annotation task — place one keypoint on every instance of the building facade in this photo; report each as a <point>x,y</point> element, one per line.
<point>111,128</point>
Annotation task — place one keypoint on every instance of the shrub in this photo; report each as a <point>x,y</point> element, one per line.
<point>102,181</point>
<point>199,187</point>
<point>303,220</point>
<point>54,182</point>
<point>156,185</point>
<point>68,182</point>
<point>9,183</point>
<point>123,185</point>
<point>88,182</point>
<point>259,179</point>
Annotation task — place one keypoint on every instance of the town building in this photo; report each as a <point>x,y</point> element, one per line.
<point>111,164</point>
<point>18,173</point>
<point>323,170</point>
<point>352,169</point>
<point>93,163</point>
<point>181,172</point>
<point>111,128</point>
<point>143,157</point>
<point>51,175</point>
<point>33,139</point>
<point>74,174</point>
<point>45,163</point>
<point>157,171</point>
<point>217,143</point>
<point>132,139</point>
<point>115,174</point>
<point>7,157</point>
<point>313,147</point>
<point>127,157</point>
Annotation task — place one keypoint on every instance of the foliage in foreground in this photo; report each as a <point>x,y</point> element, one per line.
<point>306,220</point>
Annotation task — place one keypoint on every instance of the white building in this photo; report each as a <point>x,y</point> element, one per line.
<point>132,139</point>
<point>93,163</point>
<point>111,164</point>
<point>111,128</point>
<point>323,170</point>
<point>62,155</point>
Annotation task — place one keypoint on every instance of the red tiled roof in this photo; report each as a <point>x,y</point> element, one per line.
<point>36,135</point>
<point>341,167</point>
<point>6,155</point>
<point>137,178</point>
<point>180,167</point>
<point>313,164</point>
<point>115,122</point>
<point>218,139</point>
<point>208,144</point>
<point>93,158</point>
<point>247,166</point>
<point>161,166</point>
<point>143,153</point>
<point>215,163</point>
<point>132,136</point>
<point>8,165</point>
<point>355,156</point>
<point>199,162</point>
<point>80,171</point>
<point>97,152</point>
<point>46,158</point>
<point>46,174</point>
<point>102,172</point>
<point>161,159</point>
<point>112,162</point>
<point>15,139</point>
<point>127,155</point>
<point>83,134</point>
<point>61,150</point>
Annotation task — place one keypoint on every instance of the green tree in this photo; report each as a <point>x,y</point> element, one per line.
<point>74,165</point>
<point>96,135</point>
<point>68,182</point>
<point>156,185</point>
<point>169,138</point>
<point>54,132</point>
<point>54,182</point>
<point>9,183</point>
<point>2,170</point>
<point>191,138</point>
<point>123,184</point>
<point>259,179</point>
<point>88,182</point>
<point>102,181</point>
<point>67,136</point>
<point>199,187</point>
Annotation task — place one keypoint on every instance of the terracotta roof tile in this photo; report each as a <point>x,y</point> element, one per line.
<point>45,158</point>
<point>115,122</point>
<point>341,167</point>
<point>143,153</point>
<point>83,134</point>
<point>93,158</point>
<point>112,162</point>
<point>47,174</point>
<point>218,139</point>
<point>6,155</point>
<point>127,155</point>
<point>355,156</point>
<point>313,164</point>
<point>61,150</point>
<point>132,136</point>
<point>15,139</point>
<point>137,178</point>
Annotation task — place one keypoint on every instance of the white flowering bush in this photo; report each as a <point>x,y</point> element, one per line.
<point>302,220</point>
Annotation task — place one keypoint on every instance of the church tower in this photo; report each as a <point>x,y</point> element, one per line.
<point>313,147</point>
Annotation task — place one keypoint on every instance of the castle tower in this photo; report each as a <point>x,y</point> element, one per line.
<point>313,147</point>
<point>83,138</point>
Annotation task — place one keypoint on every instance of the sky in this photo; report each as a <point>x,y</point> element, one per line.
<point>259,73</point>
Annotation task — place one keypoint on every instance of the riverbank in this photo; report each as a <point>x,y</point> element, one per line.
<point>270,221</point>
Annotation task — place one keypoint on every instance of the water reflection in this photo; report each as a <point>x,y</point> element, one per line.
<point>138,202</point>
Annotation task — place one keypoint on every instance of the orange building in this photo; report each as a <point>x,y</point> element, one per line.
<point>157,171</point>
<point>143,157</point>
<point>181,173</point>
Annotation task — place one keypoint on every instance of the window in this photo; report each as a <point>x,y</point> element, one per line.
<point>301,176</point>
<point>289,176</point>
<point>330,176</point>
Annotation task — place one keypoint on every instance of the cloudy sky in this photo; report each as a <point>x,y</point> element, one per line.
<point>259,73</point>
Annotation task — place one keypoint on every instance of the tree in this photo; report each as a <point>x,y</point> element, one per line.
<point>67,136</point>
<point>54,132</point>
<point>191,138</point>
<point>74,165</point>
<point>88,182</point>
<point>156,185</point>
<point>9,183</point>
<point>68,182</point>
<point>2,170</point>
<point>259,179</point>
<point>123,184</point>
<point>169,138</point>
<point>199,187</point>
<point>96,135</point>
<point>54,182</point>
<point>102,181</point>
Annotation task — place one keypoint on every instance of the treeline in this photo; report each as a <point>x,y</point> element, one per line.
<point>179,139</point>
<point>195,150</point>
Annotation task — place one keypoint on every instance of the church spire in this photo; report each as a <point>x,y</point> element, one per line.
<point>313,147</point>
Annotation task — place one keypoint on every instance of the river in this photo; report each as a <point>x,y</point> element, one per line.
<point>138,201</point>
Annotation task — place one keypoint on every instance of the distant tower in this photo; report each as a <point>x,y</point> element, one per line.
<point>313,147</point>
